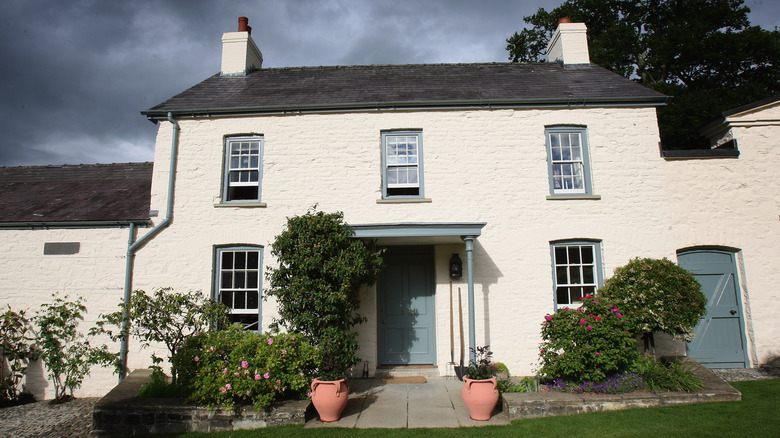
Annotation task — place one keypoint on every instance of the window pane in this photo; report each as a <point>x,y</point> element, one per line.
<point>574,275</point>
<point>556,154</point>
<point>252,259</point>
<point>227,299</point>
<point>587,274</point>
<point>574,254</point>
<point>576,294</point>
<point>227,260</point>
<point>239,280</point>
<point>251,280</point>
<point>565,141</point>
<point>587,254</point>
<point>560,275</point>
<point>566,154</point>
<point>252,300</point>
<point>562,296</point>
<point>555,140</point>
<point>239,300</point>
<point>560,255</point>
<point>227,280</point>
<point>240,260</point>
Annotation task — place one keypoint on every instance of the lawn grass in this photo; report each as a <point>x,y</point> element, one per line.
<point>754,416</point>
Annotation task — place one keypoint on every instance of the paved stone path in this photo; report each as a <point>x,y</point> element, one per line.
<point>74,418</point>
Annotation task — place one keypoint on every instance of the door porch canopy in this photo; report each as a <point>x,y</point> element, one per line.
<point>431,233</point>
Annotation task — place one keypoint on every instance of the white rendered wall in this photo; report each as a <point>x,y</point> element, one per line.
<point>480,166</point>
<point>28,278</point>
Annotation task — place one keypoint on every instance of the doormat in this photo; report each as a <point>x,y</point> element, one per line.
<point>406,379</point>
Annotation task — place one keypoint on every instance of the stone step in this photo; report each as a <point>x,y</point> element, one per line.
<point>427,371</point>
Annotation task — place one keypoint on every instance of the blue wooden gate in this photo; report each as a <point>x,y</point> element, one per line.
<point>405,307</point>
<point>720,337</point>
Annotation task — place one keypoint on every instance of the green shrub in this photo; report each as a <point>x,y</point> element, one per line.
<point>667,376</point>
<point>166,317</point>
<point>527,384</point>
<point>233,366</point>
<point>586,344</point>
<point>321,269</point>
<point>65,351</point>
<point>656,295</point>
<point>17,349</point>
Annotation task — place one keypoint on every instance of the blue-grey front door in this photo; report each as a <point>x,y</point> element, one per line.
<point>405,308</point>
<point>719,340</point>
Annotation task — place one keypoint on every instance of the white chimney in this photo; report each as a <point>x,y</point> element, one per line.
<point>240,54</point>
<point>569,43</point>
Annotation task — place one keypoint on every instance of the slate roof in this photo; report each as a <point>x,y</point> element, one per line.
<point>62,194</point>
<point>407,86</point>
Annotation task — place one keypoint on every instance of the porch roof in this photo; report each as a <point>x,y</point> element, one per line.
<point>418,232</point>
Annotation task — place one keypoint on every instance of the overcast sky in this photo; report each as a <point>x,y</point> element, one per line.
<point>75,74</point>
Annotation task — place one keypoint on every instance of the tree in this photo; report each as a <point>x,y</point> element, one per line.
<point>703,53</point>
<point>321,269</point>
<point>656,295</point>
<point>166,317</point>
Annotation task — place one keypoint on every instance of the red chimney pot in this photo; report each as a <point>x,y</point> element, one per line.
<point>243,24</point>
<point>564,20</point>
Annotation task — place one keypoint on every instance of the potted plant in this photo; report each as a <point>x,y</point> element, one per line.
<point>316,286</point>
<point>479,386</point>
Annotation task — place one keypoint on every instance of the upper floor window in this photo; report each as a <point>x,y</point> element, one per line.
<point>402,164</point>
<point>238,284</point>
<point>243,169</point>
<point>576,271</point>
<point>567,159</point>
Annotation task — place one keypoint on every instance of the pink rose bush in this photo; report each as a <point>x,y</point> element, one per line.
<point>283,366</point>
<point>590,343</point>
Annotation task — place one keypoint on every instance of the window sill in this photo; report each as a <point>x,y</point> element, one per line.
<point>570,197</point>
<point>404,201</point>
<point>241,204</point>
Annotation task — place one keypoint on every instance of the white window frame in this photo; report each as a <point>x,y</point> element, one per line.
<point>567,163</point>
<point>574,275</point>
<point>228,292</point>
<point>243,167</point>
<point>403,160</point>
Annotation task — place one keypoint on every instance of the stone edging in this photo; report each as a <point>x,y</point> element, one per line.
<point>551,404</point>
<point>121,413</point>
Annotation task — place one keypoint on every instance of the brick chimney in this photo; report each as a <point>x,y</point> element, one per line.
<point>240,54</point>
<point>569,43</point>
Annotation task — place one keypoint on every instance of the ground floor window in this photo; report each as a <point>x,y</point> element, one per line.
<point>576,271</point>
<point>238,284</point>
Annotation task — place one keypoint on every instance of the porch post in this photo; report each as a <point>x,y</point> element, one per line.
<point>469,240</point>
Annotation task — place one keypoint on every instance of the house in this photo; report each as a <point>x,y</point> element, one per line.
<point>540,178</point>
<point>65,229</point>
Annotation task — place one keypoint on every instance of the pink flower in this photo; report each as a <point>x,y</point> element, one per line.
<point>284,389</point>
<point>221,351</point>
<point>244,364</point>
<point>224,390</point>
<point>267,375</point>
<point>236,374</point>
<point>197,358</point>
<point>308,394</point>
<point>614,309</point>
<point>588,295</point>
<point>224,371</point>
<point>597,318</point>
<point>284,351</point>
<point>246,371</point>
<point>596,354</point>
<point>301,374</point>
<point>211,348</point>
<point>595,301</point>
<point>278,381</point>
<point>548,317</point>
<point>582,321</point>
<point>247,393</point>
<point>258,376</point>
<point>589,327</point>
<point>619,315</point>
<point>270,341</point>
<point>227,385</point>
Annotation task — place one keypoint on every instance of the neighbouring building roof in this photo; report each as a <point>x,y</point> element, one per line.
<point>95,193</point>
<point>303,89</point>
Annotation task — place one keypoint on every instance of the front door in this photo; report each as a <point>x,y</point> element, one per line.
<point>405,295</point>
<point>719,340</point>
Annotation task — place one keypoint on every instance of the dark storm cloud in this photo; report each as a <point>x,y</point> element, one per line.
<point>75,74</point>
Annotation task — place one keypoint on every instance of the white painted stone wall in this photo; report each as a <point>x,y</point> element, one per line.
<point>28,278</point>
<point>480,166</point>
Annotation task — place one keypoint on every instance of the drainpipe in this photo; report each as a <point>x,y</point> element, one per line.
<point>132,246</point>
<point>470,266</point>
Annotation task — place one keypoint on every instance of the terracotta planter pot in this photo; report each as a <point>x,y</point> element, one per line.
<point>329,398</point>
<point>480,397</point>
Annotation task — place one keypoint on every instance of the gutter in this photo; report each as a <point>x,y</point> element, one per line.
<point>133,246</point>
<point>644,101</point>
<point>72,224</point>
